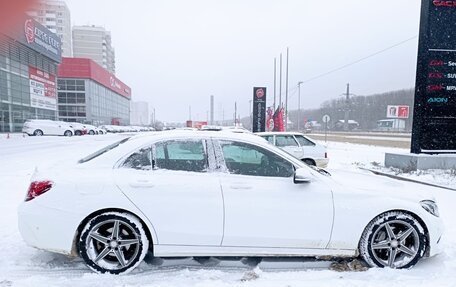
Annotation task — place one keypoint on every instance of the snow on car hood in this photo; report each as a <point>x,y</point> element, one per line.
<point>368,183</point>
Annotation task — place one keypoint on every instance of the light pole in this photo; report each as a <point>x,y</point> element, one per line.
<point>299,104</point>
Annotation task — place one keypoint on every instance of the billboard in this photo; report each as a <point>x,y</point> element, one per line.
<point>43,92</point>
<point>398,112</point>
<point>259,109</point>
<point>434,117</point>
<point>37,37</point>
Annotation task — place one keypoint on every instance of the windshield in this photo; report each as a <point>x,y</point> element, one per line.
<point>103,150</point>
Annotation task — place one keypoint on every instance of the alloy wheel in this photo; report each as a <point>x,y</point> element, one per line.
<point>395,244</point>
<point>113,243</point>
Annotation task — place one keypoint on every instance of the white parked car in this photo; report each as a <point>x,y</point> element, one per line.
<point>187,193</point>
<point>91,130</point>
<point>79,129</point>
<point>300,146</point>
<point>47,128</point>
<point>101,130</point>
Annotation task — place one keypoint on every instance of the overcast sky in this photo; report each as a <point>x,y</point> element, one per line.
<point>174,54</point>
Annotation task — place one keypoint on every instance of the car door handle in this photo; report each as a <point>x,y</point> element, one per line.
<point>240,186</point>
<point>141,183</point>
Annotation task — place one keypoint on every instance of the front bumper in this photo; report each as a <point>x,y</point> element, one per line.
<point>435,229</point>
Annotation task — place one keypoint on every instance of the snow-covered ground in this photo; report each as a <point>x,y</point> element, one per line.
<point>21,265</point>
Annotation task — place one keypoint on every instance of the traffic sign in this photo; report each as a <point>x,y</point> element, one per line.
<point>326,119</point>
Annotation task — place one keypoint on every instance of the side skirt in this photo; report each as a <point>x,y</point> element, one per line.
<point>228,251</point>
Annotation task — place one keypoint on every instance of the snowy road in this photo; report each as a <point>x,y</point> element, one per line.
<point>21,265</point>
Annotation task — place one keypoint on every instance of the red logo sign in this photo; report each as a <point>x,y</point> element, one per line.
<point>260,93</point>
<point>403,112</point>
<point>29,30</point>
<point>444,3</point>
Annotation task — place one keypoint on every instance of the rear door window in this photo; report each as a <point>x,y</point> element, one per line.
<point>270,139</point>
<point>246,159</point>
<point>141,159</point>
<point>285,141</point>
<point>303,141</point>
<point>184,155</point>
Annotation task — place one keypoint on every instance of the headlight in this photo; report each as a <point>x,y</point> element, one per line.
<point>431,207</point>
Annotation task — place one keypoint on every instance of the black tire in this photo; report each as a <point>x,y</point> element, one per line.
<point>91,132</point>
<point>77,133</point>
<point>38,133</point>
<point>382,245</point>
<point>110,246</point>
<point>68,133</point>
<point>309,161</point>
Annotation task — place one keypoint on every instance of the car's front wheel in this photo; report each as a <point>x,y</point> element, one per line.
<point>38,133</point>
<point>68,133</point>
<point>113,243</point>
<point>393,239</point>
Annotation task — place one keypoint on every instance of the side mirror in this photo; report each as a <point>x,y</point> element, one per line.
<point>302,175</point>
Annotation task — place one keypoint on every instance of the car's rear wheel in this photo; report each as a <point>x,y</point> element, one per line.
<point>394,239</point>
<point>91,132</point>
<point>113,243</point>
<point>38,133</point>
<point>78,133</point>
<point>68,133</point>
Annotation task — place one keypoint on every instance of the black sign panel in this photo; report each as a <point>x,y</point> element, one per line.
<point>434,119</point>
<point>259,110</point>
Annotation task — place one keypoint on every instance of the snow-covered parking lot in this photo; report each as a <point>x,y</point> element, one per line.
<point>21,265</point>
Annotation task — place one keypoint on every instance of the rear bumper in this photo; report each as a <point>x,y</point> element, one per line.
<point>28,130</point>
<point>47,228</point>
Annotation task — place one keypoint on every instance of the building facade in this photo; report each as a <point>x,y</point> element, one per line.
<point>93,42</point>
<point>140,113</point>
<point>88,93</point>
<point>29,55</point>
<point>55,15</point>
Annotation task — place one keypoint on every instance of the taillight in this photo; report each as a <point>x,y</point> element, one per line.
<point>37,188</point>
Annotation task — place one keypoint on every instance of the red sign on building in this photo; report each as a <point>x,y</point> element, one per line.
<point>43,92</point>
<point>80,68</point>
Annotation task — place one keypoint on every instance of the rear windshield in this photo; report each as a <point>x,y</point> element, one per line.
<point>102,151</point>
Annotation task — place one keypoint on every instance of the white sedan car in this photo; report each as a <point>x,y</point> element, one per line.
<point>186,193</point>
<point>299,146</point>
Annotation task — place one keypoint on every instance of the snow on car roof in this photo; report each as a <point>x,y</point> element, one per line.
<point>278,133</point>
<point>225,134</point>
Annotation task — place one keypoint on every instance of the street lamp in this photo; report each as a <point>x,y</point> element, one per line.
<point>299,104</point>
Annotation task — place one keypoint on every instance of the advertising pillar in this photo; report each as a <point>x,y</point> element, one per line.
<point>434,118</point>
<point>259,109</point>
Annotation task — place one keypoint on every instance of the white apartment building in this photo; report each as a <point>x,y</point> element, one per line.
<point>139,113</point>
<point>94,42</point>
<point>55,15</point>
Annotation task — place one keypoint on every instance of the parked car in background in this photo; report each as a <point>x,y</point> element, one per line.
<point>47,128</point>
<point>92,130</point>
<point>101,130</point>
<point>79,129</point>
<point>234,129</point>
<point>300,146</point>
<point>236,195</point>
